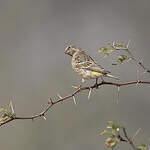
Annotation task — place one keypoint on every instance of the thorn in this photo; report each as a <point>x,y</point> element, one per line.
<point>76,87</point>
<point>44,117</point>
<point>137,76</point>
<point>113,44</point>
<point>128,44</point>
<point>74,100</point>
<point>130,58</point>
<point>118,94</point>
<point>12,108</point>
<point>89,94</point>
<point>59,96</point>
<point>136,133</point>
<point>50,101</point>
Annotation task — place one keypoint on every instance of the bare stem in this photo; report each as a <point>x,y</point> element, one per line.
<point>129,140</point>
<point>139,63</point>
<point>52,103</point>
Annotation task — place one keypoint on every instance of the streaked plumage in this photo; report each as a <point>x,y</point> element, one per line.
<point>85,66</point>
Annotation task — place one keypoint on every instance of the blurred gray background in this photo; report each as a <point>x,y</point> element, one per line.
<point>33,67</point>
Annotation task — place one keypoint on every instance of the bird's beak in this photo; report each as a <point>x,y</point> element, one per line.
<point>68,53</point>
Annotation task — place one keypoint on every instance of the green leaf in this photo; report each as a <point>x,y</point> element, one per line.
<point>102,49</point>
<point>106,55</point>
<point>9,108</point>
<point>122,58</point>
<point>2,110</point>
<point>105,132</point>
<point>109,139</point>
<point>4,118</point>
<point>113,125</point>
<point>110,142</point>
<point>141,147</point>
<point>10,115</point>
<point>115,133</point>
<point>107,50</point>
<point>120,45</point>
<point>1,120</point>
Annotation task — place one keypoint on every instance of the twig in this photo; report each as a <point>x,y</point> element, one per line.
<point>52,103</point>
<point>12,108</point>
<point>118,94</point>
<point>126,48</point>
<point>89,94</point>
<point>74,100</point>
<point>136,133</point>
<point>128,139</point>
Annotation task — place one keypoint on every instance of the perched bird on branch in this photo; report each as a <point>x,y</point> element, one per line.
<point>85,66</point>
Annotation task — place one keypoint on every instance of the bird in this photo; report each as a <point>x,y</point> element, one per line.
<point>85,66</point>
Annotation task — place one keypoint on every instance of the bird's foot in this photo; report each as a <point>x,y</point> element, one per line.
<point>96,85</point>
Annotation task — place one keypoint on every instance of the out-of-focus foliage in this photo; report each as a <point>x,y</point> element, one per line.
<point>115,133</point>
<point>6,113</point>
<point>112,133</point>
<point>122,58</point>
<point>114,47</point>
<point>141,146</point>
<point>107,50</point>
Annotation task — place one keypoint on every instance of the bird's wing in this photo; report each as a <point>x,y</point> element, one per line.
<point>93,67</point>
<point>87,62</point>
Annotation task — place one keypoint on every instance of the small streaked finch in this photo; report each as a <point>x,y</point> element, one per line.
<point>85,66</point>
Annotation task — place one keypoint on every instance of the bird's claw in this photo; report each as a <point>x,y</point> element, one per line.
<point>96,85</point>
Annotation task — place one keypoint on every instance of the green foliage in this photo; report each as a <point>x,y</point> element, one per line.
<point>6,113</point>
<point>141,146</point>
<point>120,46</point>
<point>111,142</point>
<point>105,132</point>
<point>122,58</point>
<point>113,125</point>
<point>107,50</point>
<point>110,48</point>
<point>112,133</point>
<point>115,133</point>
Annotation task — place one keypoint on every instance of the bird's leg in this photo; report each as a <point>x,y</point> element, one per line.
<point>102,79</point>
<point>96,83</point>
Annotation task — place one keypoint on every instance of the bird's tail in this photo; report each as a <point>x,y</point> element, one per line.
<point>111,76</point>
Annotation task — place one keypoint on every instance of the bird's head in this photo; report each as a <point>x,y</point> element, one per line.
<point>70,50</point>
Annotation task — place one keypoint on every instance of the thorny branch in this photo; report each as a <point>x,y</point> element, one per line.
<point>127,139</point>
<point>126,48</point>
<point>78,90</point>
<point>116,133</point>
